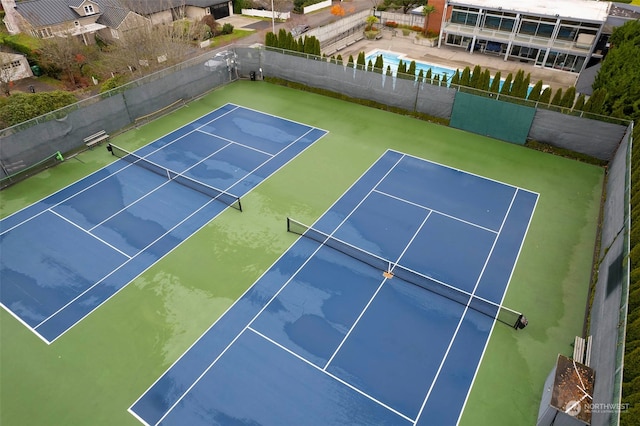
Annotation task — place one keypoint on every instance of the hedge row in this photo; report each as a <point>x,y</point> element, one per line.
<point>631,379</point>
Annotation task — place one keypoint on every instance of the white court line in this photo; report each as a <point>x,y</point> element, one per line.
<point>486,345</point>
<point>437,211</point>
<point>357,321</point>
<point>160,237</point>
<point>250,288</point>
<point>466,172</point>
<point>231,141</point>
<point>277,293</point>
<point>336,378</point>
<point>89,233</point>
<point>5,307</point>
<point>464,313</point>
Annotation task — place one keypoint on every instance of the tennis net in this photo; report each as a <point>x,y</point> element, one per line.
<point>505,315</point>
<point>215,193</point>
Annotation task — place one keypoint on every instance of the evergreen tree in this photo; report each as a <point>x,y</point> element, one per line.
<point>545,97</point>
<point>595,103</point>
<point>465,78</point>
<point>569,97</point>
<point>412,70</point>
<point>506,86</point>
<point>557,97</point>
<point>476,75</point>
<point>316,46</point>
<point>518,81</point>
<point>524,92</point>
<point>485,80</point>
<point>282,38</point>
<point>379,65</point>
<point>420,76</point>
<point>350,62</point>
<point>370,65</point>
<point>455,80</point>
<point>579,105</point>
<point>534,95</point>
<point>361,62</point>
<point>389,73</point>
<point>495,83</point>
<point>429,76</point>
<point>339,60</point>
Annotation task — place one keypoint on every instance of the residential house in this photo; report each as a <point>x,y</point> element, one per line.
<point>82,18</point>
<point>14,67</point>
<point>166,11</point>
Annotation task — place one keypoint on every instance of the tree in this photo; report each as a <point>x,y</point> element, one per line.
<point>579,105</point>
<point>337,10</point>
<point>412,69</point>
<point>65,54</point>
<point>379,65</point>
<point>389,73</point>
<point>420,76</point>
<point>476,75</point>
<point>495,83</point>
<point>620,73</point>
<point>534,95</point>
<point>361,62</point>
<point>370,65</point>
<point>371,21</point>
<point>569,97</point>
<point>557,97</point>
<point>485,80</point>
<point>596,101</point>
<point>350,62</point>
<point>506,86</point>
<point>427,10</point>
<point>465,78</point>
<point>545,97</point>
<point>455,80</point>
<point>406,5</point>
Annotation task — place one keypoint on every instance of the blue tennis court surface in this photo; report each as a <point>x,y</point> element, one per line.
<point>325,339</point>
<point>65,255</point>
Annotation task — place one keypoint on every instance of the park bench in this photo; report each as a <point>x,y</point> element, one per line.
<point>96,138</point>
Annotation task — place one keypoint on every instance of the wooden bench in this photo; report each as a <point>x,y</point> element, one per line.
<point>582,350</point>
<point>96,138</point>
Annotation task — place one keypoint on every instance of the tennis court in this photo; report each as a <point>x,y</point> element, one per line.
<point>380,314</point>
<point>67,254</point>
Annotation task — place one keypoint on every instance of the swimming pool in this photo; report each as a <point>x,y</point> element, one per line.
<point>392,59</point>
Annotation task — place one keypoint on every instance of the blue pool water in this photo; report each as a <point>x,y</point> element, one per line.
<point>392,59</point>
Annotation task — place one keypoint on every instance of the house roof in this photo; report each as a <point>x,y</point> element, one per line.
<point>42,13</point>
<point>586,10</point>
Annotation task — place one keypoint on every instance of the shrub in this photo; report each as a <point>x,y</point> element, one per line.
<point>391,24</point>
<point>416,28</point>
<point>112,83</point>
<point>227,28</point>
<point>22,106</point>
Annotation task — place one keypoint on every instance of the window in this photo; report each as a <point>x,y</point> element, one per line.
<point>537,27</point>
<point>207,11</point>
<point>88,9</point>
<point>76,23</point>
<point>464,16</point>
<point>43,33</point>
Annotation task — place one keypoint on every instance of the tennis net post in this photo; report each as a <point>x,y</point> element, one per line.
<point>501,313</point>
<point>215,193</point>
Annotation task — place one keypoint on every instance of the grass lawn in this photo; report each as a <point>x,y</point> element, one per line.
<point>93,373</point>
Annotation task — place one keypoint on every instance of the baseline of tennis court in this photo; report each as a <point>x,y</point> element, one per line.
<point>65,255</point>
<point>325,338</point>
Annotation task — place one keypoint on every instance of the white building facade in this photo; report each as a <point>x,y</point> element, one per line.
<point>557,34</point>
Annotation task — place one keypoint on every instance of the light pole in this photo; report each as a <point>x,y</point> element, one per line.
<point>273,19</point>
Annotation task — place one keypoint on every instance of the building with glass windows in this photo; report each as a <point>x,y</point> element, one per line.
<point>559,34</point>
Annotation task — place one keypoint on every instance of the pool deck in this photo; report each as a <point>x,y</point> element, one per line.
<point>446,56</point>
<point>450,57</point>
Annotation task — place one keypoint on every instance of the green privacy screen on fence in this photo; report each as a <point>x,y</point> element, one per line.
<point>490,117</point>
